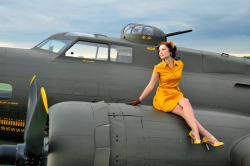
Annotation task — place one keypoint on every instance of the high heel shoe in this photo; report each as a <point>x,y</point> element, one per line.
<point>193,140</point>
<point>215,144</point>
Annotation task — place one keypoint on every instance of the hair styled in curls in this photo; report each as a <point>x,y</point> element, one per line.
<point>172,50</point>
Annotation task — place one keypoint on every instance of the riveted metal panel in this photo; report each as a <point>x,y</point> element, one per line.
<point>128,110</point>
<point>100,113</point>
<point>119,109</point>
<point>136,141</point>
<point>102,157</point>
<point>114,110</point>
<point>102,136</point>
<point>128,141</point>
<point>118,141</point>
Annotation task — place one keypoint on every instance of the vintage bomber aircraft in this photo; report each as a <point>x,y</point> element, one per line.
<point>79,70</point>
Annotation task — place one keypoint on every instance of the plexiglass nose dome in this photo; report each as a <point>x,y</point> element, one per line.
<point>143,34</point>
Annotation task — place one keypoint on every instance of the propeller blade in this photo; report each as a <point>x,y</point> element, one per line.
<point>34,133</point>
<point>31,102</point>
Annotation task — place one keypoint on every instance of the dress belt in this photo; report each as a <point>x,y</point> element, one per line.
<point>176,87</point>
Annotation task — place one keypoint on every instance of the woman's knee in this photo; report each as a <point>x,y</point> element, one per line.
<point>178,110</point>
<point>184,102</point>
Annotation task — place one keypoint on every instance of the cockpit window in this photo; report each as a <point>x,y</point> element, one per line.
<point>121,54</point>
<point>137,30</point>
<point>88,50</point>
<point>5,91</point>
<point>148,31</point>
<point>54,45</point>
<point>128,28</point>
<point>79,34</point>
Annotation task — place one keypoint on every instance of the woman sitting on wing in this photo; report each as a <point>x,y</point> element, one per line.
<point>168,97</point>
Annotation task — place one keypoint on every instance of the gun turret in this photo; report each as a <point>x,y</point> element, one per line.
<point>146,34</point>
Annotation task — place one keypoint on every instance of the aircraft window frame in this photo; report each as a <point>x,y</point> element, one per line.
<point>89,50</point>
<point>137,29</point>
<point>5,91</point>
<point>79,34</point>
<point>121,54</point>
<point>128,28</point>
<point>47,45</point>
<point>148,31</point>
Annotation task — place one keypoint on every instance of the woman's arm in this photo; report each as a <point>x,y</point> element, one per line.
<point>148,89</point>
<point>150,86</point>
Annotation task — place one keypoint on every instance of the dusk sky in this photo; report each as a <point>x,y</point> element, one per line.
<point>221,26</point>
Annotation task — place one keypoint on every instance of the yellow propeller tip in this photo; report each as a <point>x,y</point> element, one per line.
<point>32,79</point>
<point>45,102</point>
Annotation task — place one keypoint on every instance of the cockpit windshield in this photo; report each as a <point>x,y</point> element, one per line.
<point>54,45</point>
<point>138,29</point>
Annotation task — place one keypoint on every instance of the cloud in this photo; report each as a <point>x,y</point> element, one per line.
<point>215,24</point>
<point>4,44</point>
<point>25,45</point>
<point>240,55</point>
<point>28,20</point>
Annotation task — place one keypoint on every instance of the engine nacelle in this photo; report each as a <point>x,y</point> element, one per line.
<point>92,134</point>
<point>240,152</point>
<point>104,134</point>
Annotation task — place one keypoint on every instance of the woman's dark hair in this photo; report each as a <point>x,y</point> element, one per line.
<point>171,49</point>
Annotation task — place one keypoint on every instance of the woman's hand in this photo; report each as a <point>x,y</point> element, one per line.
<point>154,78</point>
<point>138,101</point>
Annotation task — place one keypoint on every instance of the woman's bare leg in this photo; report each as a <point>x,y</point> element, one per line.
<point>178,110</point>
<point>205,133</point>
<point>185,110</point>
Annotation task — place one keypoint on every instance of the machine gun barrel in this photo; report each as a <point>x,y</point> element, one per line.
<point>178,33</point>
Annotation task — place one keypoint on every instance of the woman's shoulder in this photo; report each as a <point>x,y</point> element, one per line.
<point>158,67</point>
<point>159,64</point>
<point>179,62</point>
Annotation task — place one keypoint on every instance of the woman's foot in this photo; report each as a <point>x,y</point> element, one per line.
<point>213,141</point>
<point>195,137</point>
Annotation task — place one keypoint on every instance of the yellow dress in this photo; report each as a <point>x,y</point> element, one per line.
<point>168,93</point>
